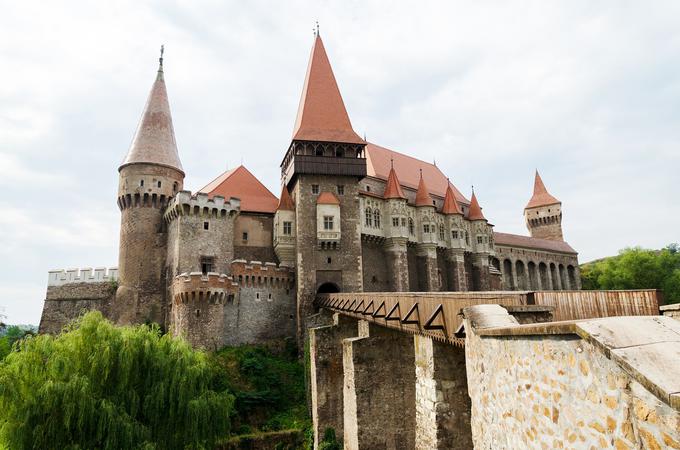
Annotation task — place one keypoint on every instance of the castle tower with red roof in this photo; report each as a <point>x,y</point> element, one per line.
<point>321,169</point>
<point>149,177</point>
<point>543,213</point>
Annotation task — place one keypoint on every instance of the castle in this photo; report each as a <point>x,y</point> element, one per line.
<point>233,264</point>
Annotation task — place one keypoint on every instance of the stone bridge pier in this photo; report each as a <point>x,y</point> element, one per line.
<point>380,388</point>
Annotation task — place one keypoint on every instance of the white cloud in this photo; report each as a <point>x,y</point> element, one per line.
<point>585,92</point>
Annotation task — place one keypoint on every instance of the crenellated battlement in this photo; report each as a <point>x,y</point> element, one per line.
<point>258,274</point>
<point>211,287</point>
<point>185,204</point>
<point>60,277</point>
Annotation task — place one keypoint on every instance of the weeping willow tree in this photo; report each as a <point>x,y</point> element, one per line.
<point>101,386</point>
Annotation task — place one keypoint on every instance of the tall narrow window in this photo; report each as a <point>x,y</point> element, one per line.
<point>395,222</point>
<point>141,182</point>
<point>341,189</point>
<point>376,218</point>
<point>245,235</point>
<point>287,228</point>
<point>207,264</point>
<point>206,225</point>
<point>159,184</point>
<point>426,228</point>
<point>369,217</point>
<point>327,222</point>
<point>411,228</point>
<point>441,232</point>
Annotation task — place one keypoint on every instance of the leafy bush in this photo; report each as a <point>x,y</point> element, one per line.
<point>637,268</point>
<point>101,386</point>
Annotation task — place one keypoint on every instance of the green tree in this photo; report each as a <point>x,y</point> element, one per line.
<point>107,387</point>
<point>637,268</point>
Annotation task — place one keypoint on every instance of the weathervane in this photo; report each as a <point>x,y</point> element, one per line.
<point>317,27</point>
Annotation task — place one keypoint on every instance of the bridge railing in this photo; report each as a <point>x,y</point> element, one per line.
<point>438,314</point>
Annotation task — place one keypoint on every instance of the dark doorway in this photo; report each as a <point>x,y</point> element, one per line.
<point>328,288</point>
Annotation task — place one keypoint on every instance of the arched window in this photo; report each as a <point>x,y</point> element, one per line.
<point>376,218</point>
<point>411,228</point>
<point>369,217</point>
<point>441,232</point>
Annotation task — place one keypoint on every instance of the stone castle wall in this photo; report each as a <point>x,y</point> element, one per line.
<point>560,391</point>
<point>65,302</point>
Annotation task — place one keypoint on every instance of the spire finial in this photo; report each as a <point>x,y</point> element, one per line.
<point>317,28</point>
<point>160,60</point>
<point>391,161</point>
<point>473,189</point>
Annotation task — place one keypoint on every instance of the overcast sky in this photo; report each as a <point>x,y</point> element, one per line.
<point>587,92</point>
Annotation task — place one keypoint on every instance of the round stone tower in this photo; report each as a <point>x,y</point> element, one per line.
<point>149,177</point>
<point>543,213</point>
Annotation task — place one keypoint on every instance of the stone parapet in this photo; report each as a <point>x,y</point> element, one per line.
<point>184,203</point>
<point>196,286</point>
<point>60,277</point>
<point>257,273</point>
<point>671,310</point>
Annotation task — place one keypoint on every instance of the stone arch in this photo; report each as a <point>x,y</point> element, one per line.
<point>563,277</point>
<point>543,276</point>
<point>520,275</point>
<point>532,276</point>
<point>571,274</point>
<point>496,263</point>
<point>507,275</point>
<point>553,277</point>
<point>328,288</point>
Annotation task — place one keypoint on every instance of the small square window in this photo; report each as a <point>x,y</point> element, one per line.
<point>341,189</point>
<point>329,260</point>
<point>327,222</point>
<point>207,264</point>
<point>206,225</point>
<point>287,228</point>
<point>245,235</point>
<point>454,234</point>
<point>480,239</point>
<point>395,221</point>
<point>315,189</point>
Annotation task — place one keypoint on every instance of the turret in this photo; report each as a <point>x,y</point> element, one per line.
<point>426,209</point>
<point>149,177</point>
<point>543,213</point>
<point>284,229</point>
<point>454,219</point>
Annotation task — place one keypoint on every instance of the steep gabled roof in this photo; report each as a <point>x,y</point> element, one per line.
<point>327,198</point>
<point>285,202</point>
<point>541,196</point>
<point>242,184</point>
<point>450,204</point>
<point>475,212</point>
<point>322,115</point>
<point>423,197</point>
<point>393,188</point>
<point>379,161</point>
<point>154,141</point>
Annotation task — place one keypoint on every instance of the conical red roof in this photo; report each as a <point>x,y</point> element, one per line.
<point>450,203</point>
<point>475,212</point>
<point>322,115</point>
<point>285,202</point>
<point>154,141</point>
<point>393,188</point>
<point>423,197</point>
<point>541,196</point>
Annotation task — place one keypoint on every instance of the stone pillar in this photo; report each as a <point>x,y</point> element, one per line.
<point>326,373</point>
<point>379,390</point>
<point>442,401</point>
<point>480,271</point>
<point>513,276</point>
<point>428,277</point>
<point>397,264</point>
<point>456,268</point>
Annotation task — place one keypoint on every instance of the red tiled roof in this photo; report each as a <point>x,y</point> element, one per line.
<point>515,240</point>
<point>393,188</point>
<point>242,184</point>
<point>285,202</point>
<point>154,141</point>
<point>541,196</point>
<point>475,212</point>
<point>322,115</point>
<point>327,198</point>
<point>379,161</point>
<point>423,195</point>
<point>450,204</point>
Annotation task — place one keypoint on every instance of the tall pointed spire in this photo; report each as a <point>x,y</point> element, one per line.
<point>322,115</point>
<point>423,197</point>
<point>450,203</point>
<point>154,141</point>
<point>285,202</point>
<point>393,187</point>
<point>541,196</point>
<point>475,212</point>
